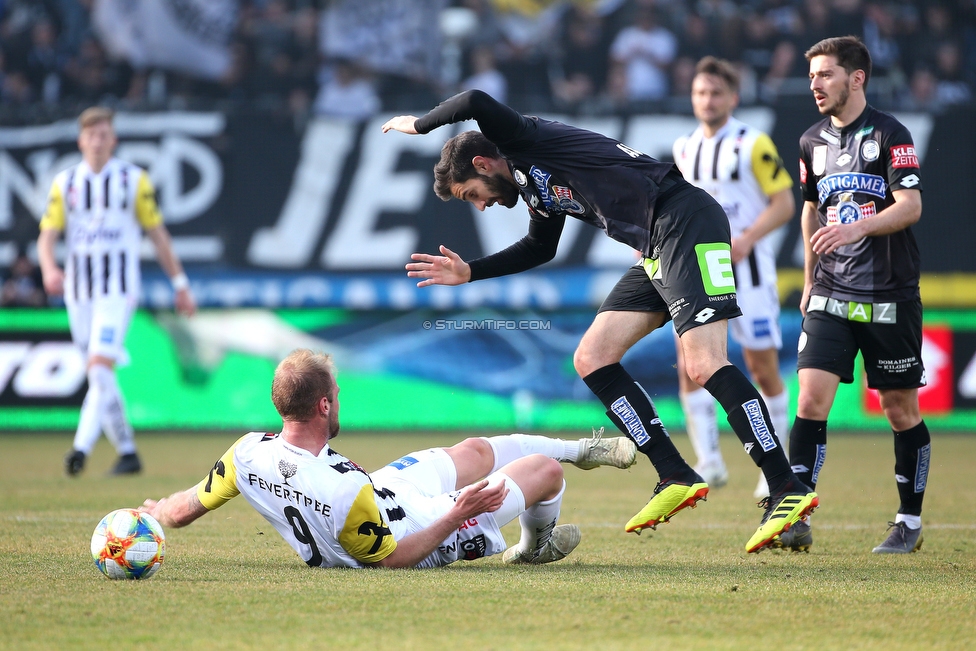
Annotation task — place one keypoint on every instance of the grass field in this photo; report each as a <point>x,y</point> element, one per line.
<point>229,581</point>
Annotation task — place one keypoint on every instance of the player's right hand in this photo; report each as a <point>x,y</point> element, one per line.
<point>53,281</point>
<point>480,498</point>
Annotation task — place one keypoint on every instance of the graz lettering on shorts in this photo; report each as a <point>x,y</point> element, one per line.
<point>897,365</point>
<point>289,494</point>
<point>922,467</point>
<point>851,182</point>
<point>758,425</point>
<point>632,422</point>
<point>674,307</point>
<point>852,311</point>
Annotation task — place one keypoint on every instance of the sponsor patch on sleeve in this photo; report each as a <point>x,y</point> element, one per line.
<point>803,171</point>
<point>903,156</point>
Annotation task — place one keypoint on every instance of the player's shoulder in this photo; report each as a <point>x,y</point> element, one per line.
<point>885,124</point>
<point>61,178</point>
<point>814,135</point>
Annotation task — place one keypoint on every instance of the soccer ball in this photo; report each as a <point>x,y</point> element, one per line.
<point>128,544</point>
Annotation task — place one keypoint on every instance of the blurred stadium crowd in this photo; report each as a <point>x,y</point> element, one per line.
<point>355,58</point>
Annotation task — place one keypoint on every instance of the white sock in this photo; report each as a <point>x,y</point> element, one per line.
<point>779,407</point>
<point>699,408</point>
<point>511,447</point>
<point>101,379</point>
<point>538,521</point>
<point>911,521</point>
<point>116,425</point>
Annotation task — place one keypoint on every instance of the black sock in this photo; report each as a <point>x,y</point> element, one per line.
<point>808,449</point>
<point>632,411</point>
<point>750,421</point>
<point>913,448</point>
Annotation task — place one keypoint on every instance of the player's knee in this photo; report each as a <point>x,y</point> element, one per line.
<point>584,361</point>
<point>550,472</point>
<point>477,451</point>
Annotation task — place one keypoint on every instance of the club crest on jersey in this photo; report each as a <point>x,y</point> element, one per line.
<point>564,197</point>
<point>847,211</point>
<point>851,182</point>
<point>819,160</point>
<point>519,176</point>
<point>870,150</point>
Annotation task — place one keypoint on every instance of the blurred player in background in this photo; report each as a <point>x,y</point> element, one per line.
<point>686,275</point>
<point>427,509</point>
<point>739,166</point>
<point>103,205</point>
<point>861,188</point>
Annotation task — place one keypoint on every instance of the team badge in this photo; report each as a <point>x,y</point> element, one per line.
<point>848,211</point>
<point>844,159</point>
<point>870,150</point>
<point>819,160</point>
<point>520,178</point>
<point>565,200</point>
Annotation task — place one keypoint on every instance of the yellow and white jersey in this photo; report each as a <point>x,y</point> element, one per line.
<point>324,506</point>
<point>102,216</point>
<point>740,167</point>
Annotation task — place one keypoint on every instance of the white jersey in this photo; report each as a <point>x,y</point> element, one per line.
<point>740,167</point>
<point>102,216</point>
<point>334,514</point>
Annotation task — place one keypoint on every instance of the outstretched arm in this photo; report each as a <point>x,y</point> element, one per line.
<point>446,269</point>
<point>473,501</point>
<point>497,121</point>
<point>177,510</point>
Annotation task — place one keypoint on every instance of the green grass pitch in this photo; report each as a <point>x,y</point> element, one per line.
<point>230,582</point>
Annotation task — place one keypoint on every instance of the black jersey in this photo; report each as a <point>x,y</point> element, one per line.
<point>561,171</point>
<point>850,174</point>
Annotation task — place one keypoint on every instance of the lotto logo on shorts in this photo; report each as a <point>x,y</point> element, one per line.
<point>107,335</point>
<point>903,156</point>
<point>403,462</point>
<point>758,424</point>
<point>474,547</point>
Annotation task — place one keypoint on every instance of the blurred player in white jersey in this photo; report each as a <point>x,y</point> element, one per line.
<point>740,167</point>
<point>426,509</point>
<point>103,205</point>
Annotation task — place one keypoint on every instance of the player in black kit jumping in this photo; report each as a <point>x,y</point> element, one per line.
<point>861,186</point>
<point>685,275</point>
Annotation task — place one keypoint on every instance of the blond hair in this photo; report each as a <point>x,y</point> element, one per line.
<point>95,115</point>
<point>300,381</point>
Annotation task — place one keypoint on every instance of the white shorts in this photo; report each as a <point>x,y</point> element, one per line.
<point>758,327</point>
<point>424,483</point>
<point>100,327</point>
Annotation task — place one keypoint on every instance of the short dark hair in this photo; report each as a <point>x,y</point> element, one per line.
<point>455,165</point>
<point>720,68</point>
<point>851,54</point>
<point>300,381</point>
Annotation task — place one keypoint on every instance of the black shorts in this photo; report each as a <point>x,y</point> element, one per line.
<point>888,336</point>
<point>689,276</point>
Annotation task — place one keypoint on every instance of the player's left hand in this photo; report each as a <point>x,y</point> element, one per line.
<point>401,123</point>
<point>480,498</point>
<point>830,238</point>
<point>445,269</point>
<point>185,303</point>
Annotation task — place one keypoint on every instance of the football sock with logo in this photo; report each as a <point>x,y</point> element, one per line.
<point>913,449</point>
<point>699,410</point>
<point>632,411</point>
<point>538,521</point>
<point>101,380</point>
<point>116,425</point>
<point>778,407</point>
<point>751,423</point>
<point>510,447</point>
<point>808,449</point>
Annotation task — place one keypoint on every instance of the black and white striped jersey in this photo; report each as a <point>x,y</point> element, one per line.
<point>102,215</point>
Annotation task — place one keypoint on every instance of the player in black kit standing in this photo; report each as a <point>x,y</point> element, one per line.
<point>861,187</point>
<point>685,275</point>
